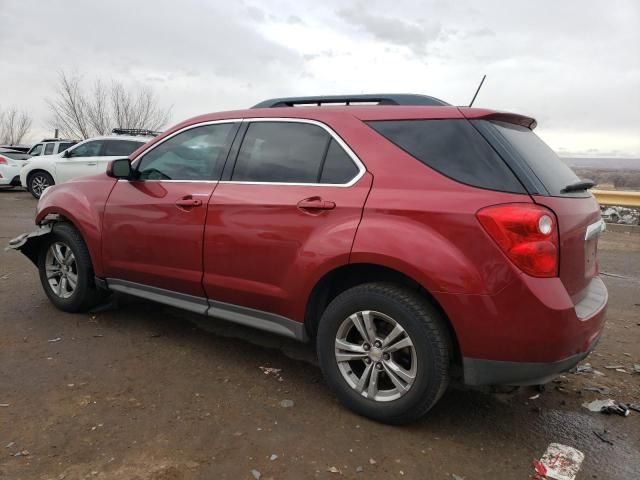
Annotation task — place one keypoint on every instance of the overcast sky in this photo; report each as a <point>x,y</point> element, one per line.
<point>573,65</point>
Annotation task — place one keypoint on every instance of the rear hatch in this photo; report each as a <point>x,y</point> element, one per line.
<point>553,184</point>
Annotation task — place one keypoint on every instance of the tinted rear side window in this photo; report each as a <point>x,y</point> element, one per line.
<point>338,166</point>
<point>554,174</point>
<point>453,148</point>
<point>281,152</point>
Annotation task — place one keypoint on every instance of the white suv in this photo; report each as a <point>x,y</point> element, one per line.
<point>89,157</point>
<point>50,146</point>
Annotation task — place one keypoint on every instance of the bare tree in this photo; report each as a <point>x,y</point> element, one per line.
<point>80,113</point>
<point>14,126</point>
<point>69,108</point>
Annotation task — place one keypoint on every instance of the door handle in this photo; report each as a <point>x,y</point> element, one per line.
<point>316,203</point>
<point>188,202</point>
<point>92,163</point>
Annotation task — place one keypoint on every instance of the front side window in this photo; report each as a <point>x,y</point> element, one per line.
<point>195,154</point>
<point>36,150</point>
<point>288,152</point>
<point>89,149</point>
<point>120,148</point>
<point>48,149</point>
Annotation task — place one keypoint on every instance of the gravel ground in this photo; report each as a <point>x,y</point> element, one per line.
<point>145,392</point>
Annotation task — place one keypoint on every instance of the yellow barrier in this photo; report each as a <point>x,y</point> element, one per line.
<point>617,197</point>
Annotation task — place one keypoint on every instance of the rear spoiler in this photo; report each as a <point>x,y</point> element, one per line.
<point>514,118</point>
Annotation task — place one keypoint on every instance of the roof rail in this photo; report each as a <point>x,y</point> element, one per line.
<point>375,98</point>
<point>135,131</point>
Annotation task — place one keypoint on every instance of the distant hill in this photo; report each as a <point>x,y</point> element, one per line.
<point>603,163</point>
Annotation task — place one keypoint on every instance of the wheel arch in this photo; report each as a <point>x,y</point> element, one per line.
<point>350,275</point>
<point>38,169</point>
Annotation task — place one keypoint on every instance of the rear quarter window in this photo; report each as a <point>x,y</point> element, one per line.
<point>453,148</point>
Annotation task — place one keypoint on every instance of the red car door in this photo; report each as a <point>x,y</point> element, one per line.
<point>153,224</point>
<point>289,211</point>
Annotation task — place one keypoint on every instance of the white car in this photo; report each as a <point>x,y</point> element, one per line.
<point>89,157</point>
<point>11,162</point>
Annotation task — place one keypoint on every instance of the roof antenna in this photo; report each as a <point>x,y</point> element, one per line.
<point>479,87</point>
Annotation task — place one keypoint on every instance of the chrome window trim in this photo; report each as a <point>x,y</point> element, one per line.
<point>354,158</point>
<point>361,168</point>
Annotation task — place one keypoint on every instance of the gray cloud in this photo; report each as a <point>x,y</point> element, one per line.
<point>415,36</point>
<point>575,67</point>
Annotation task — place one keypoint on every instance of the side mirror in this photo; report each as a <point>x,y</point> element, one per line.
<point>66,154</point>
<point>119,168</point>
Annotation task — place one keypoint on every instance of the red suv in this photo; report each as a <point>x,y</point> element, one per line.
<point>409,239</point>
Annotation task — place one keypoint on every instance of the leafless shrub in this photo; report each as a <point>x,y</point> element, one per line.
<point>81,113</point>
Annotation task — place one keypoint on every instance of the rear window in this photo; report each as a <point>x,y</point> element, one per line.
<point>15,155</point>
<point>552,172</point>
<point>453,148</point>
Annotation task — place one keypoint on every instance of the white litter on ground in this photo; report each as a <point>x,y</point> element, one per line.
<point>597,405</point>
<point>561,462</point>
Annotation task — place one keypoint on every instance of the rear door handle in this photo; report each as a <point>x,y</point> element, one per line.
<point>92,163</point>
<point>316,203</point>
<point>188,202</point>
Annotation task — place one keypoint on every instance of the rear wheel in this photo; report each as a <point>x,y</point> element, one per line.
<point>384,350</point>
<point>65,270</point>
<point>38,182</point>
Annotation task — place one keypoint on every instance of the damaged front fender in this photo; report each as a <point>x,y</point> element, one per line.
<point>28,243</point>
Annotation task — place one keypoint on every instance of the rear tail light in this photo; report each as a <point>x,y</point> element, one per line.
<point>526,233</point>
<point>3,161</point>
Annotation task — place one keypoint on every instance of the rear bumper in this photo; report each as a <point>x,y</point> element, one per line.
<point>528,332</point>
<point>478,371</point>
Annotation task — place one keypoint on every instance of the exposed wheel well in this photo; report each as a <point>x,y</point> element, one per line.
<point>348,276</point>
<point>32,248</point>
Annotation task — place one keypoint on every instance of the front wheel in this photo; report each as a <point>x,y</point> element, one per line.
<point>38,182</point>
<point>66,272</point>
<point>384,350</point>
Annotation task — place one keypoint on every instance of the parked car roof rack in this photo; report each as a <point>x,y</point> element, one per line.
<point>57,140</point>
<point>375,98</point>
<point>135,131</point>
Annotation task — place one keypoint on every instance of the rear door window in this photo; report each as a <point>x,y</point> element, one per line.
<point>453,148</point>
<point>48,148</point>
<point>292,152</point>
<point>281,152</point>
<point>338,166</point>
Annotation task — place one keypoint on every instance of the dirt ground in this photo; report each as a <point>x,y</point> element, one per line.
<point>145,392</point>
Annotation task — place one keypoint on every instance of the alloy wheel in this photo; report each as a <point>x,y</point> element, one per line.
<point>39,183</point>
<point>375,356</point>
<point>61,270</point>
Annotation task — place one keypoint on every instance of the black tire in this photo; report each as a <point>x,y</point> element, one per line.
<point>427,331</point>
<point>85,295</point>
<point>36,179</point>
